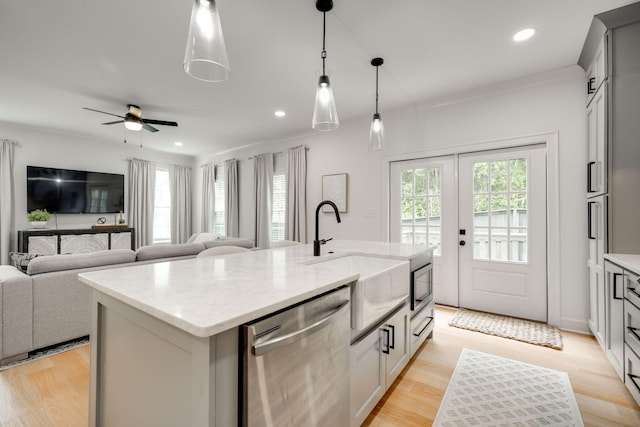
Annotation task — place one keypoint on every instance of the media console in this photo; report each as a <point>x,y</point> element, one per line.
<point>75,241</point>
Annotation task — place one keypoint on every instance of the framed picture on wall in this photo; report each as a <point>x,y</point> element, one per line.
<point>335,188</point>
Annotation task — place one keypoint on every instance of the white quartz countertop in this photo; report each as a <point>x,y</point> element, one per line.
<point>626,261</point>
<point>205,296</point>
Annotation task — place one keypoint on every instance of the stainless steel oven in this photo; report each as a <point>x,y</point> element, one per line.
<point>421,291</point>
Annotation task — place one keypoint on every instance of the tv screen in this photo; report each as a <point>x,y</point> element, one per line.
<point>73,191</point>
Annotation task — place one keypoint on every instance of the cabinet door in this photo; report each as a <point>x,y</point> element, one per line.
<point>597,143</point>
<point>367,376</point>
<point>597,71</point>
<point>399,344</point>
<point>597,304</point>
<point>596,231</point>
<point>614,335</point>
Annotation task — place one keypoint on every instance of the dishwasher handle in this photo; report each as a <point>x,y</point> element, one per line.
<point>267,346</point>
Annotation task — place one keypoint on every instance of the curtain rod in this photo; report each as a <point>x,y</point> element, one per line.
<point>282,152</point>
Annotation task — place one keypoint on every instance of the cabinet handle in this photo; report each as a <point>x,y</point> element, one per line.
<point>634,331</point>
<point>589,177</point>
<point>590,85</point>
<point>393,337</point>
<point>589,221</point>
<point>615,285</point>
<point>424,328</point>
<point>633,380</point>
<point>387,342</point>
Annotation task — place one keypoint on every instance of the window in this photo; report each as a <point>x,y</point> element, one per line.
<point>279,207</point>
<point>162,208</point>
<point>218,209</point>
<point>421,206</point>
<point>500,210</point>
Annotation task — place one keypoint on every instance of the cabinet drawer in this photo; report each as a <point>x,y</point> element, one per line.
<point>422,325</point>
<point>632,288</point>
<point>632,373</point>
<point>632,326</point>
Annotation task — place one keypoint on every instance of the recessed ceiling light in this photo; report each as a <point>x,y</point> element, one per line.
<point>178,144</point>
<point>523,35</point>
<point>280,113</point>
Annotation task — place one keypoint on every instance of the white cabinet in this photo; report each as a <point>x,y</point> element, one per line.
<point>597,143</point>
<point>597,304</point>
<point>597,70</point>
<point>376,361</point>
<point>614,315</point>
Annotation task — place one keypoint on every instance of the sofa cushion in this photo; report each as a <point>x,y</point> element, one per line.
<point>168,250</point>
<point>230,241</point>
<point>204,237</point>
<point>48,263</point>
<point>20,260</point>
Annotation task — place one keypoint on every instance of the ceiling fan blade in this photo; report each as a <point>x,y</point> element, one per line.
<point>159,122</point>
<point>103,112</point>
<point>149,127</point>
<point>113,123</point>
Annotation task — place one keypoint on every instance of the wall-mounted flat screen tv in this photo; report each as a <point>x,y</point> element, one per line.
<point>74,191</point>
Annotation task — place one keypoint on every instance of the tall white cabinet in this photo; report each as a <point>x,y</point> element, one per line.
<point>611,63</point>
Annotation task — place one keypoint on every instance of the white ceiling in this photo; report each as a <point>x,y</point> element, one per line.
<point>60,56</point>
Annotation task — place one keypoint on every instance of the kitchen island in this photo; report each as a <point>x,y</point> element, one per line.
<point>165,337</point>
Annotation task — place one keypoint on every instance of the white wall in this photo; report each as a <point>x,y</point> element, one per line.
<point>43,148</point>
<point>547,103</point>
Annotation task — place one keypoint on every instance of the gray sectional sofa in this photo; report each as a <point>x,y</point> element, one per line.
<point>47,304</point>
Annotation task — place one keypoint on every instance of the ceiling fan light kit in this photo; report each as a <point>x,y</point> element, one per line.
<point>325,115</point>
<point>205,57</point>
<point>376,135</point>
<point>133,119</point>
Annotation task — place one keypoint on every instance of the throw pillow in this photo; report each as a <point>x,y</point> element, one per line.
<point>20,260</point>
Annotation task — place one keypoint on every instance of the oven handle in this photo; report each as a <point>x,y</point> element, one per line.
<point>276,343</point>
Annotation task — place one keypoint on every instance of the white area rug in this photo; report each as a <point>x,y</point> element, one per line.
<point>487,390</point>
<point>508,327</point>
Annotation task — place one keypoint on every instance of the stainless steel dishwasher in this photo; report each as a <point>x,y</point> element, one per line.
<point>296,365</point>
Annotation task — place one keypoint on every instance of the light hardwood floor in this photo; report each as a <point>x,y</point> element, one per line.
<point>54,391</point>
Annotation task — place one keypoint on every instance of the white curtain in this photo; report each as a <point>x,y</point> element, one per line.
<point>6,196</point>
<point>263,189</point>
<point>296,222</point>
<point>208,197</point>
<point>180,190</point>
<point>141,198</point>
<point>232,212</point>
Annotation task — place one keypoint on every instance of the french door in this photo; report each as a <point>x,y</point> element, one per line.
<point>424,212</point>
<point>486,214</point>
<point>502,232</point>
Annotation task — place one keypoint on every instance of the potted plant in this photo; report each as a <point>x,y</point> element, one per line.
<point>38,218</point>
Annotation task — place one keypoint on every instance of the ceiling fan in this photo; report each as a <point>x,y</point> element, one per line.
<point>133,119</point>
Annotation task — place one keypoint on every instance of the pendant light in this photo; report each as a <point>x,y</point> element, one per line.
<point>376,135</point>
<point>206,55</point>
<point>325,116</point>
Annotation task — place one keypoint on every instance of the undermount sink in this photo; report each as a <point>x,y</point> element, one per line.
<point>383,284</point>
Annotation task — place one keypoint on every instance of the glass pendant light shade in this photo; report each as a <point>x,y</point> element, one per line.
<point>376,135</point>
<point>325,115</point>
<point>206,55</point>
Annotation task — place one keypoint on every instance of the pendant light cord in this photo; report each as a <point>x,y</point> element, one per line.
<point>324,28</point>
<point>376,89</point>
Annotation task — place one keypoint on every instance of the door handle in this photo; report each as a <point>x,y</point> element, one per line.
<point>590,85</point>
